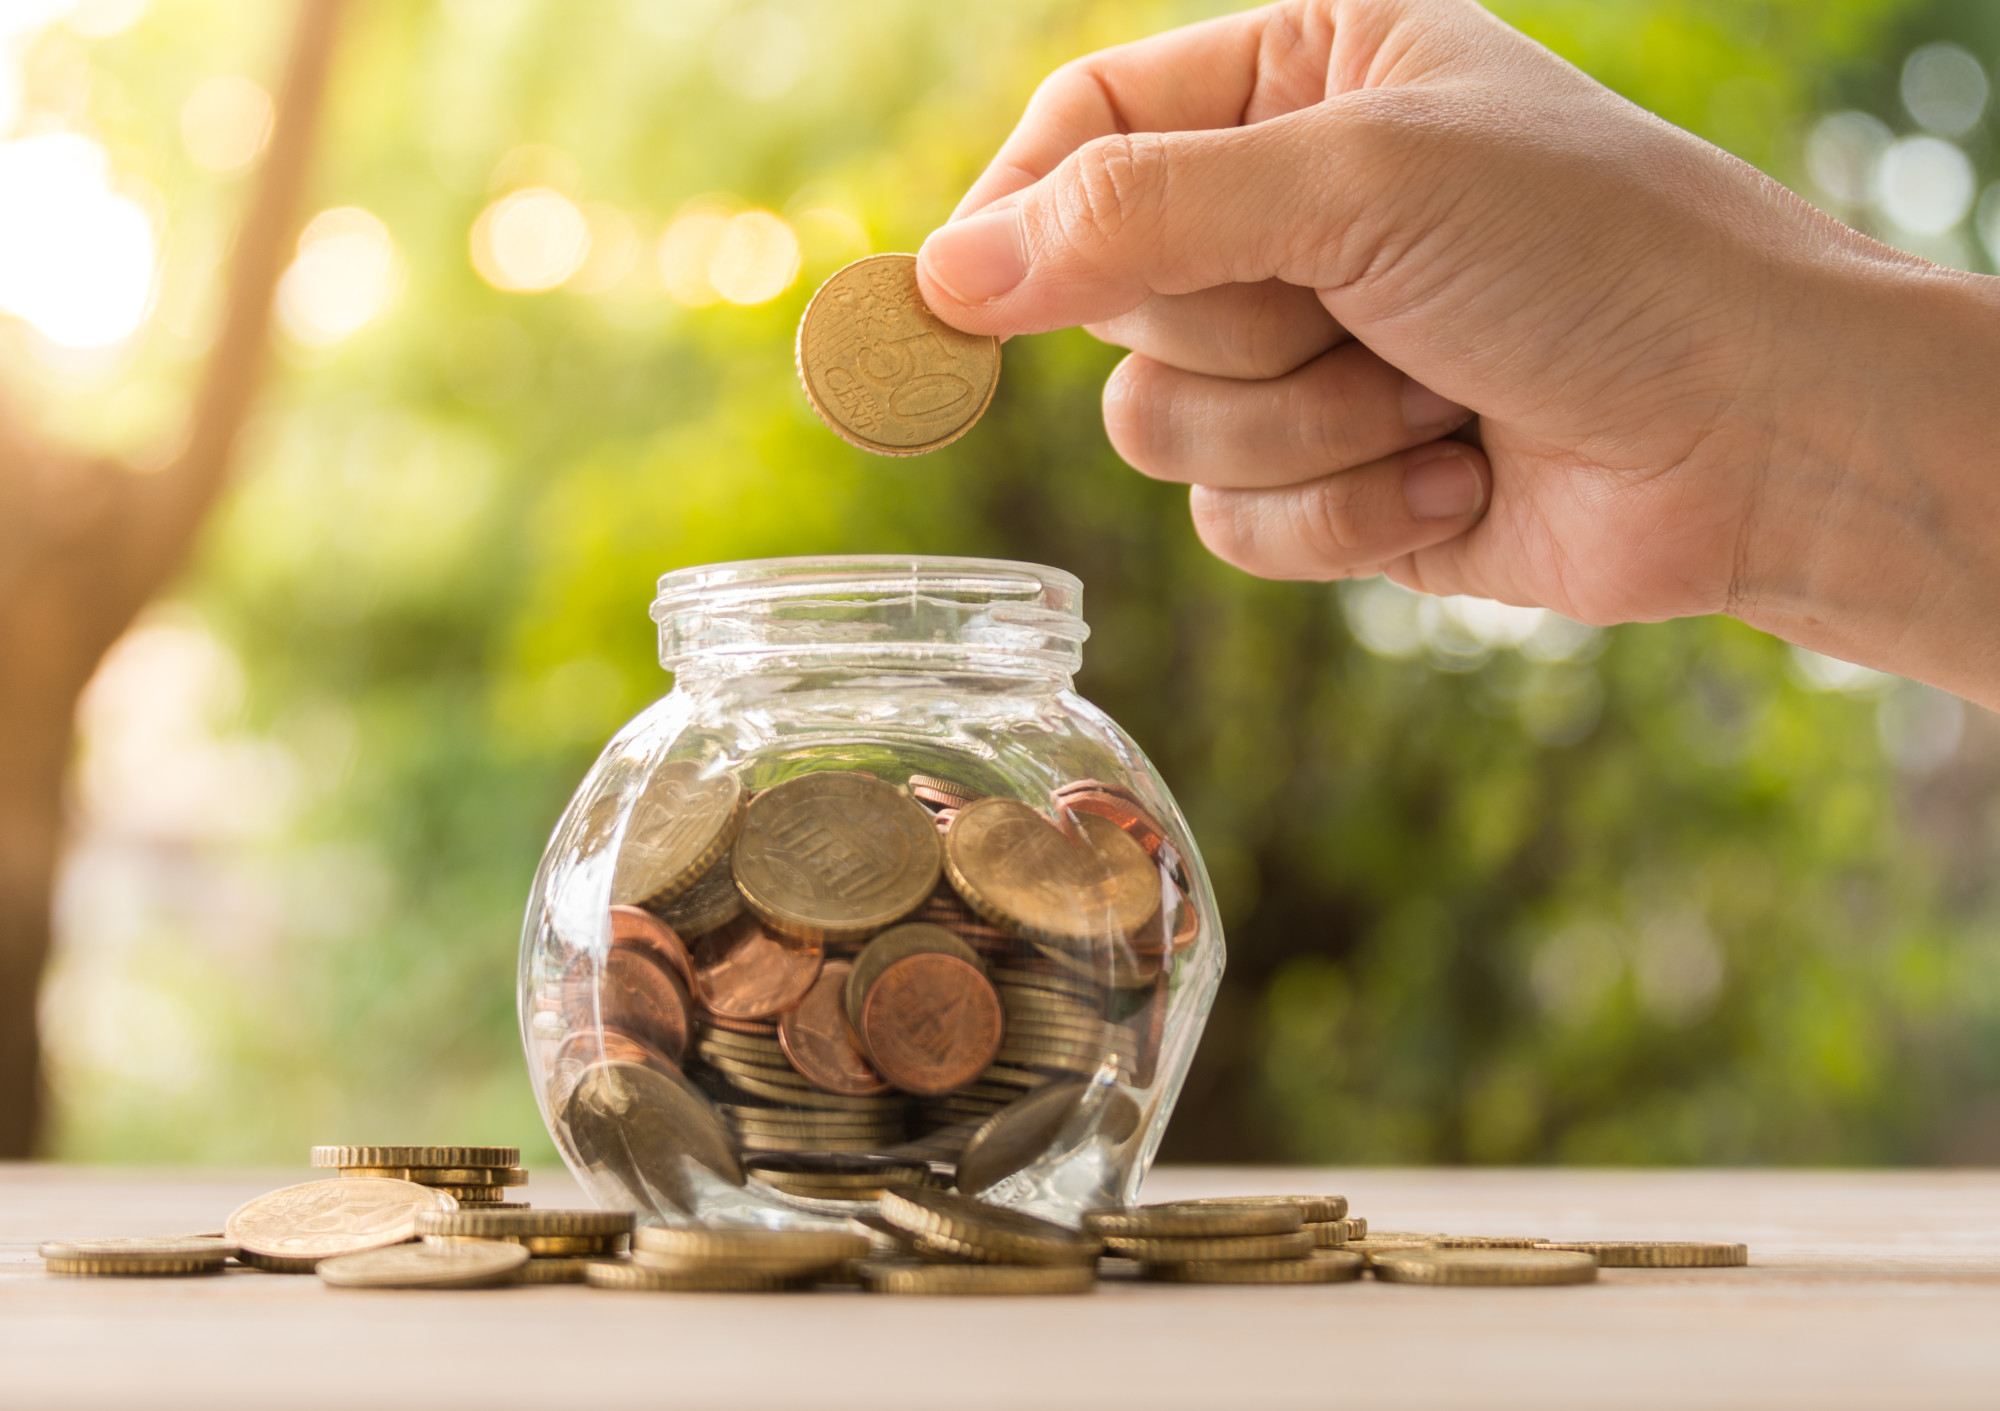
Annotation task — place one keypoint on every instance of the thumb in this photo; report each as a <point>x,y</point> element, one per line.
<point>1127,217</point>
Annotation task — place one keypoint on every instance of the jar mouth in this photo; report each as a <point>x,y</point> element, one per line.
<point>882,611</point>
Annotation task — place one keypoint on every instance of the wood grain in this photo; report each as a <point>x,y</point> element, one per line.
<point>1867,1289</point>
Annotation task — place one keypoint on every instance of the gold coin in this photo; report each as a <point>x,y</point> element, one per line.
<point>1313,1209</point>
<point>1327,1266</point>
<point>969,1229</point>
<point>709,904</point>
<point>1296,1245</point>
<point>444,1175</point>
<point>426,1156</point>
<point>642,1125</point>
<point>1019,870</point>
<point>1486,1242</point>
<point>1657,1254</point>
<point>138,1258</point>
<point>275,1264</point>
<point>899,943</point>
<point>1489,1267</point>
<point>498,1224</point>
<point>553,1271</point>
<point>472,1195</point>
<point>835,856</point>
<point>681,827</point>
<point>1173,1220</point>
<point>750,1246</point>
<point>706,1278</point>
<point>1328,1234</point>
<point>324,1218</point>
<point>444,1264</point>
<point>883,371</point>
<point>914,1276</point>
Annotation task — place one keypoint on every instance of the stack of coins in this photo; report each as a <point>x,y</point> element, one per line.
<point>471,1175</point>
<point>169,1257</point>
<point>1219,1242</point>
<point>948,1244</point>
<point>840,966</point>
<point>560,1243</point>
<point>732,1260</point>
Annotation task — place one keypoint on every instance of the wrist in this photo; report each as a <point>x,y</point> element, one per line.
<point>1873,536</point>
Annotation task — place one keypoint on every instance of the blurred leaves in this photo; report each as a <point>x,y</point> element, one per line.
<point>1637,898</point>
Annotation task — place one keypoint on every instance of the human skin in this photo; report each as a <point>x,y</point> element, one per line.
<point>1352,242</point>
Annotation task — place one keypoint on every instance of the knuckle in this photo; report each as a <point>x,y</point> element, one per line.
<point>1330,524</point>
<point>1322,419</point>
<point>1116,183</point>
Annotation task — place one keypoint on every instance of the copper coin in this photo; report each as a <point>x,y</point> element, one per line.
<point>638,929</point>
<point>1019,870</point>
<point>587,1046</point>
<point>761,1028</point>
<point>942,793</point>
<point>680,828</point>
<point>1120,808</point>
<point>882,370</point>
<point>816,1038</point>
<point>835,855</point>
<point>911,938</point>
<point>745,970</point>
<point>629,990</point>
<point>931,1023</point>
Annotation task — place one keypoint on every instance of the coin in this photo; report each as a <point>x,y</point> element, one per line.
<point>816,1038</point>
<point>1657,1254</point>
<point>747,970</point>
<point>1019,870</point>
<point>883,371</point>
<point>444,1175</point>
<point>681,828</point>
<point>1295,1245</point>
<point>645,1126</point>
<point>1210,1220</point>
<point>450,1264</point>
<point>510,1224</point>
<point>1485,1242</point>
<point>799,1250</point>
<point>587,1046</point>
<point>914,1276</point>
<point>944,793</point>
<point>170,1255</point>
<point>1118,806</point>
<point>635,928</point>
<point>707,1278</point>
<point>1484,1266</point>
<point>966,1227</point>
<point>553,1271</point>
<point>1015,1136</point>
<point>344,1156</point>
<point>711,902</point>
<point>323,1218</point>
<point>1149,1022</point>
<point>930,1023</point>
<point>892,945</point>
<point>835,855</point>
<point>1320,1267</point>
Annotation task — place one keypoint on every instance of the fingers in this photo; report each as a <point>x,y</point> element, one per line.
<point>1350,524</point>
<point>1233,330</point>
<point>1236,69</point>
<point>1342,409</point>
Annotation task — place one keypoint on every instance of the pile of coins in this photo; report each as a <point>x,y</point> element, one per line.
<point>840,985</point>
<point>390,1232</point>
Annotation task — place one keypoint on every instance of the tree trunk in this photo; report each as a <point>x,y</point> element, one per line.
<point>84,545</point>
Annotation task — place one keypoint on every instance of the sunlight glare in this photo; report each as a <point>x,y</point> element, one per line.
<point>226,122</point>
<point>76,258</point>
<point>530,240</point>
<point>344,277</point>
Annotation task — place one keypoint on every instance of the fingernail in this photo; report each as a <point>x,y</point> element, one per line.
<point>1425,410</point>
<point>977,259</point>
<point>1439,483</point>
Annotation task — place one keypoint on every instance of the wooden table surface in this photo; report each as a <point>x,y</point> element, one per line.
<point>1877,1289</point>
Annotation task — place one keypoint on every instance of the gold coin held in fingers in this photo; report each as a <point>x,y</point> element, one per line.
<point>883,371</point>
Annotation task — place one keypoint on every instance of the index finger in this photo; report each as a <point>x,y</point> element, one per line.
<point>1219,73</point>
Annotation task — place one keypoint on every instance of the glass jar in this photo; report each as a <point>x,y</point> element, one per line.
<point>871,898</point>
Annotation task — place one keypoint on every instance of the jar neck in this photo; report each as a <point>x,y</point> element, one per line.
<point>753,672</point>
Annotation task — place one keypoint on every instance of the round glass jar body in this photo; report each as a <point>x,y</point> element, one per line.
<point>871,899</point>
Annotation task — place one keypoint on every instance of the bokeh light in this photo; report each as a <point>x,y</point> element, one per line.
<point>687,247</point>
<point>226,122</point>
<point>614,250</point>
<point>1843,152</point>
<point>1944,89</point>
<point>1925,184</point>
<point>76,258</point>
<point>345,275</point>
<point>530,240</point>
<point>756,258</point>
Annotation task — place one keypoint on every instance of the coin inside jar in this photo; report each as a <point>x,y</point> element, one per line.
<point>638,929</point>
<point>816,1038</point>
<point>684,823</point>
<point>1021,871</point>
<point>931,1023</point>
<point>883,371</point>
<point>748,971</point>
<point>631,992</point>
<point>835,855</point>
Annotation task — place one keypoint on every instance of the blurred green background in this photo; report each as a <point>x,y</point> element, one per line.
<point>1498,888</point>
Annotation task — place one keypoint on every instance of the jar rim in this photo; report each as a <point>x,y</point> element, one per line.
<point>890,609</point>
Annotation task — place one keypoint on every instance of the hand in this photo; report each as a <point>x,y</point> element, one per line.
<point>1335,231</point>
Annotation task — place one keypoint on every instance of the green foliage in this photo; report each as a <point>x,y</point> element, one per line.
<point>1643,899</point>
